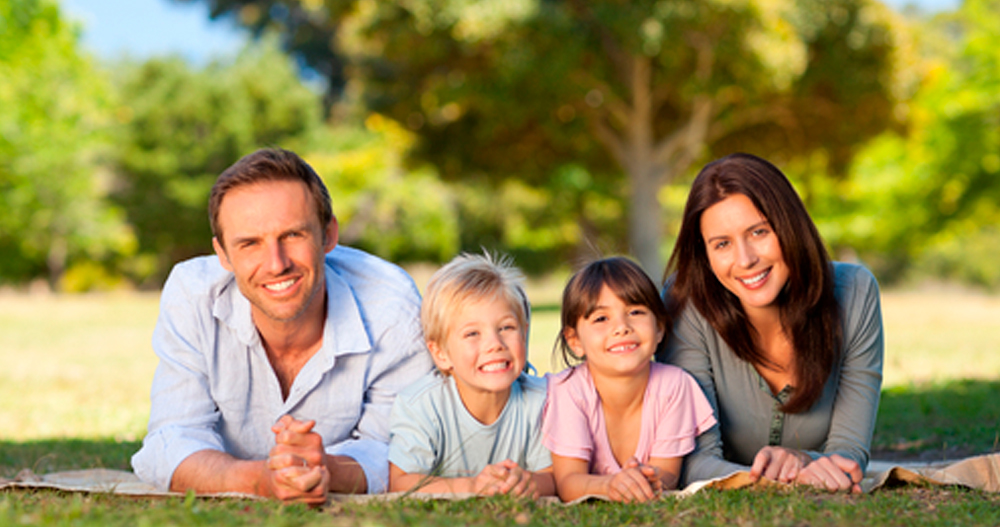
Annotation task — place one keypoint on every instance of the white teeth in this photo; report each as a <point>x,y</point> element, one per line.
<point>622,348</point>
<point>494,366</point>
<point>280,286</point>
<point>754,279</point>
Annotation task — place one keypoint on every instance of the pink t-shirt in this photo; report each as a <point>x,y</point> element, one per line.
<point>674,412</point>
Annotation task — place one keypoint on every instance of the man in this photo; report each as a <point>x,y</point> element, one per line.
<point>278,365</point>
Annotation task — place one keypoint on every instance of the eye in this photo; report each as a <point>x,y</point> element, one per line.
<point>470,334</point>
<point>718,246</point>
<point>760,231</point>
<point>598,318</point>
<point>508,327</point>
<point>638,311</point>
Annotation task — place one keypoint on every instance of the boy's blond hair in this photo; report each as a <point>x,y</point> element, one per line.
<point>468,278</point>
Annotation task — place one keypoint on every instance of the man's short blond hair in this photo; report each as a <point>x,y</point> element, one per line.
<point>469,278</point>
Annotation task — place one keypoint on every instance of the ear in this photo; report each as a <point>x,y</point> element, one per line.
<point>573,341</point>
<point>220,251</point>
<point>440,356</point>
<point>660,333</point>
<point>331,235</point>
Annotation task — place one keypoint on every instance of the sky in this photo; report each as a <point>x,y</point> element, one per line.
<point>145,28</point>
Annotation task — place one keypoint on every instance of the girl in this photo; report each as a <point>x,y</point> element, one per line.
<point>786,344</point>
<point>618,425</point>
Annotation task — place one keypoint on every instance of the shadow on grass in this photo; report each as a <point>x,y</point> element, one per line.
<point>939,421</point>
<point>53,455</point>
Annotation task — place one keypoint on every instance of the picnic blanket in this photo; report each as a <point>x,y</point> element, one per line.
<point>980,472</point>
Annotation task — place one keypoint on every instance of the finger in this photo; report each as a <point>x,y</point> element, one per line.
<point>302,427</point>
<point>282,423</point>
<point>789,469</point>
<point>638,486</point>
<point>760,463</point>
<point>827,475</point>
<point>849,467</point>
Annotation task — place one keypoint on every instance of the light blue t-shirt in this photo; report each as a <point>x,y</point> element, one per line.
<point>431,432</point>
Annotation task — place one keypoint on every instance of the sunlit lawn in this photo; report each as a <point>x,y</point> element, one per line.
<point>76,372</point>
<point>81,366</point>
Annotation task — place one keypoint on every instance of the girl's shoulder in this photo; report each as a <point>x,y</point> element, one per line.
<point>669,378</point>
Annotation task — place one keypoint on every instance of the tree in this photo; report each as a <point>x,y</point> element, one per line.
<point>54,111</point>
<point>930,198</point>
<point>520,89</point>
<point>183,127</point>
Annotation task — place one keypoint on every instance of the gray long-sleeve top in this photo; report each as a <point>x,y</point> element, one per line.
<point>840,422</point>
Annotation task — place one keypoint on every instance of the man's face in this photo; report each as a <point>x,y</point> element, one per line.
<point>274,245</point>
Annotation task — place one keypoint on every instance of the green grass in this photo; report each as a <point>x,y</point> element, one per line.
<point>76,372</point>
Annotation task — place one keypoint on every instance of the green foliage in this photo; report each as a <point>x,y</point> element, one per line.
<point>182,127</point>
<point>927,202</point>
<point>382,207</point>
<point>518,90</point>
<point>54,110</point>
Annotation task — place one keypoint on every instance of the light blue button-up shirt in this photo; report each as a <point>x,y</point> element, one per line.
<point>214,388</point>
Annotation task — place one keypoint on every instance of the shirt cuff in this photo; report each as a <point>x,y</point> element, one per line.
<point>372,456</point>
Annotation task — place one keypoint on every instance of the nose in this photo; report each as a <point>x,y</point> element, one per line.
<point>494,342</point>
<point>622,327</point>
<point>277,258</point>
<point>747,254</point>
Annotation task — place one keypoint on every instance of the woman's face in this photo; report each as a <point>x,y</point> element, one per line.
<point>744,252</point>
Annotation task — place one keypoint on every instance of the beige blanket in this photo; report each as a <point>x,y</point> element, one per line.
<point>981,472</point>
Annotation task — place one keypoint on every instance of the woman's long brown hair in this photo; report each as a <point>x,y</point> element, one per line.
<point>809,311</point>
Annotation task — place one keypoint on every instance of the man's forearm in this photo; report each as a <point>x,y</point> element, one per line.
<point>346,475</point>
<point>210,471</point>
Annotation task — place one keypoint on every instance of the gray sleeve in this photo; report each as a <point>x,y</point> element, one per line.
<point>688,348</point>
<point>856,405</point>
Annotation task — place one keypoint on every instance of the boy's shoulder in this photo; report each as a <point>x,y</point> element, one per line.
<point>430,385</point>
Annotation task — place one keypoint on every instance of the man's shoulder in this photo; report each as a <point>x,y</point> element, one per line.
<point>198,276</point>
<point>367,274</point>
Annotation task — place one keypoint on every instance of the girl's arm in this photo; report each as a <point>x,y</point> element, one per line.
<point>574,481</point>
<point>667,471</point>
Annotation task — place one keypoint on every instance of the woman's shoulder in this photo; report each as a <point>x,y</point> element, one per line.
<point>853,282</point>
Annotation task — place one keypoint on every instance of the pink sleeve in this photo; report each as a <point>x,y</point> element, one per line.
<point>682,412</point>
<point>565,429</point>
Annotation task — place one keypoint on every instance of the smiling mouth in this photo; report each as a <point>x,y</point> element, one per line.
<point>495,366</point>
<point>756,279</point>
<point>280,286</point>
<point>623,348</point>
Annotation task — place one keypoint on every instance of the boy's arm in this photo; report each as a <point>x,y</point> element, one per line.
<point>545,481</point>
<point>401,481</point>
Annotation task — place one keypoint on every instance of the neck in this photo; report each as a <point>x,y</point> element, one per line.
<point>621,393</point>
<point>485,407</point>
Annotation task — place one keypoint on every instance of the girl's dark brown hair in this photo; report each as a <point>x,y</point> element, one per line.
<point>625,279</point>
<point>809,311</point>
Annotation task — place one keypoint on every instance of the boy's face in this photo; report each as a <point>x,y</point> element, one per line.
<point>483,349</point>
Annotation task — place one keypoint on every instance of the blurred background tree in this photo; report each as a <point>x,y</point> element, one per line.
<point>549,130</point>
<point>55,112</point>
<point>183,126</point>
<point>517,90</point>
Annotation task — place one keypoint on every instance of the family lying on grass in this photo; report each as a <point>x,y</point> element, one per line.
<point>291,367</point>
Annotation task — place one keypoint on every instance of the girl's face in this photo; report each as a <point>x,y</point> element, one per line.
<point>616,339</point>
<point>744,252</point>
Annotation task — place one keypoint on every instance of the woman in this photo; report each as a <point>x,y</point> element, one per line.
<point>786,344</point>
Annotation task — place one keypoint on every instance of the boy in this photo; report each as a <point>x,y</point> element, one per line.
<point>474,425</point>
